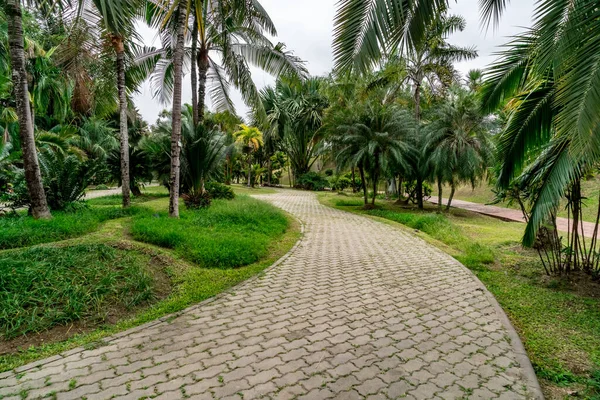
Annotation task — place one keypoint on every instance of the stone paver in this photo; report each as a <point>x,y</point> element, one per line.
<point>359,309</point>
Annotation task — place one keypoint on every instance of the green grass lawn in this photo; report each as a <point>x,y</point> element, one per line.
<point>483,194</point>
<point>76,292</point>
<point>557,319</point>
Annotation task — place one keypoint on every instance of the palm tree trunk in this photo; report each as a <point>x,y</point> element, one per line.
<point>417,97</point>
<point>364,185</point>
<point>374,190</point>
<point>439,183</point>
<point>123,134</point>
<point>202,71</point>
<point>176,118</point>
<point>353,181</point>
<point>452,190</point>
<point>33,176</point>
<point>194,76</point>
<point>249,170</point>
<point>270,171</point>
<point>419,193</point>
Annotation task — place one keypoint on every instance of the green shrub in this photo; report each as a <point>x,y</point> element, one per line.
<point>197,200</point>
<point>21,230</point>
<point>226,235</point>
<point>219,191</point>
<point>47,286</point>
<point>101,187</point>
<point>311,181</point>
<point>328,172</point>
<point>340,183</point>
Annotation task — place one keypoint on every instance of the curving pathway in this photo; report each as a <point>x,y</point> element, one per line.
<point>358,309</point>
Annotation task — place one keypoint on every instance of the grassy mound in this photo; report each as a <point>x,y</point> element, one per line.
<point>47,286</point>
<point>230,233</point>
<point>21,231</point>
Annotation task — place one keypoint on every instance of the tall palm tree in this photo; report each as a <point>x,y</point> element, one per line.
<point>227,36</point>
<point>114,20</point>
<point>33,177</point>
<point>252,139</point>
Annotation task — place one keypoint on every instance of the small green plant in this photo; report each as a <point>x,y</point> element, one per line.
<point>101,187</point>
<point>197,200</point>
<point>72,384</point>
<point>311,181</point>
<point>219,191</point>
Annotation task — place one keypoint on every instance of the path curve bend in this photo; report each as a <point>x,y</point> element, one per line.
<point>359,309</point>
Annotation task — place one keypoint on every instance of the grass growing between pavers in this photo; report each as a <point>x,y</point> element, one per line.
<point>176,283</point>
<point>558,319</point>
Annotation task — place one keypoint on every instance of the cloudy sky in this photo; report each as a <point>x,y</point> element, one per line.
<point>306,28</point>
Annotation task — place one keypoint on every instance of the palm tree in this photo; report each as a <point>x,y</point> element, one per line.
<point>116,21</point>
<point>376,143</point>
<point>458,142</point>
<point>474,80</point>
<point>33,177</point>
<point>252,139</point>
<point>227,36</point>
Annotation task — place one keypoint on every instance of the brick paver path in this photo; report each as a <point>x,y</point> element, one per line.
<point>359,309</point>
<point>509,214</point>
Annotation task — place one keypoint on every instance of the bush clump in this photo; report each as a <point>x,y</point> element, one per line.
<point>219,191</point>
<point>311,181</point>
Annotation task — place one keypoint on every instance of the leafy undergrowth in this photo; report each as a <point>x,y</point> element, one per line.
<point>87,288</point>
<point>47,286</point>
<point>557,319</point>
<point>229,234</point>
<point>23,230</point>
<point>117,199</point>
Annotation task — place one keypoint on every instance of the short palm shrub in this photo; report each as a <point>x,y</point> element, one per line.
<point>339,183</point>
<point>311,181</point>
<point>197,199</point>
<point>219,191</point>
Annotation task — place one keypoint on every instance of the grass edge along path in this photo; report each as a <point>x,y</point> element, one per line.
<point>553,322</point>
<point>192,285</point>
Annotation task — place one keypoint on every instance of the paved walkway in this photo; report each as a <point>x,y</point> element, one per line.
<point>509,214</point>
<point>359,309</point>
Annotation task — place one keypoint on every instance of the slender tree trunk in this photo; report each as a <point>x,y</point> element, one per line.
<point>123,133</point>
<point>374,190</point>
<point>194,76</point>
<point>364,185</point>
<point>419,193</point>
<point>270,171</point>
<point>452,190</point>
<point>202,71</point>
<point>176,117</point>
<point>33,176</point>
<point>417,97</point>
<point>353,181</point>
<point>439,183</point>
<point>249,170</point>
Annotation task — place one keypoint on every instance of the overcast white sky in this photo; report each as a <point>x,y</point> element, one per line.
<point>306,28</point>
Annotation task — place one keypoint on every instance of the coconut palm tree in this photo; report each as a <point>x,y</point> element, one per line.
<point>252,139</point>
<point>33,177</point>
<point>227,36</point>
<point>113,21</point>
